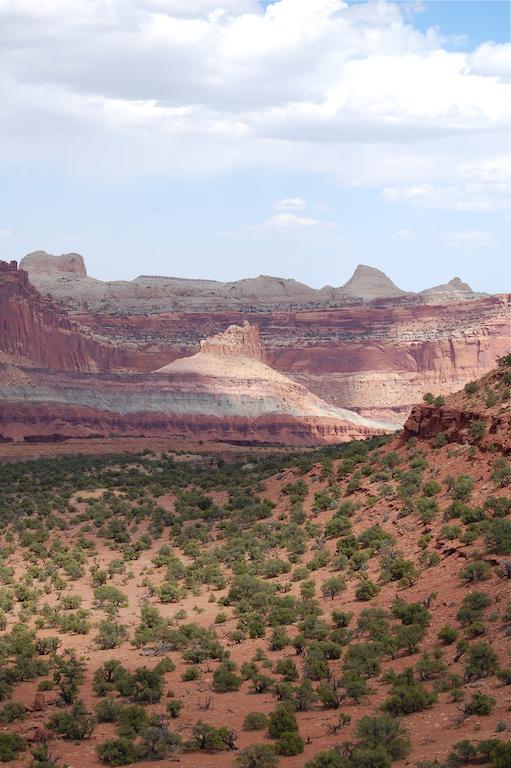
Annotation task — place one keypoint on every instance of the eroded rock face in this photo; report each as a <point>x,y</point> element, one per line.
<point>41,261</point>
<point>235,341</point>
<point>51,388</point>
<point>368,283</point>
<point>65,278</point>
<point>34,328</point>
<point>374,356</point>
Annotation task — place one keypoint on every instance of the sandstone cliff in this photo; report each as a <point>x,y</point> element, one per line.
<point>479,414</point>
<point>51,386</point>
<point>376,356</point>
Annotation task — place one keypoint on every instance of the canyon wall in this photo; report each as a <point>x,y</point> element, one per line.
<point>376,358</point>
<point>366,346</point>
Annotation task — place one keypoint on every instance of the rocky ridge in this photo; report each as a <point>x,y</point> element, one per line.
<point>51,386</point>
<point>65,278</point>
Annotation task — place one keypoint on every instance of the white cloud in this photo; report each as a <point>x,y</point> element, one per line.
<point>6,233</point>
<point>290,204</point>
<point>471,238</point>
<point>492,59</point>
<point>290,221</point>
<point>199,86</point>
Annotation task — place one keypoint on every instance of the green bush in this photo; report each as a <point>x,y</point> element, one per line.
<point>480,704</point>
<point>75,724</point>
<point>290,743</point>
<point>481,661</point>
<point>408,695</point>
<point>256,756</point>
<point>255,721</point>
<point>282,720</point>
<point>11,744</point>
<point>224,679</point>
<point>498,536</point>
<point>120,751</point>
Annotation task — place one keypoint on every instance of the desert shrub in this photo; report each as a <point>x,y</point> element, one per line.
<point>255,721</point>
<point>290,743</point>
<point>472,607</point>
<point>462,488</point>
<point>363,659</point>
<point>471,387</point>
<point>174,707</point>
<point>480,704</point>
<point>224,679</point>
<point>501,472</point>
<point>110,634</point>
<point>107,711</point>
<point>448,634</point>
<point>131,721</point>
<point>397,568</point>
<point>146,685</point>
<point>287,668</point>
<point>476,571</point>
<point>440,439</point>
<point>192,673</point>
<point>481,661</point>
<point>68,675</point>
<point>12,712</point>
<point>75,724</point>
<point>169,592</point>
<point>119,751</point>
<point>498,536</point>
<point>282,720</point>
<point>408,695</point>
<point>11,744</point>
<point>333,586</point>
<point>385,732</point>
<point>256,756</point>
<point>205,736</point>
<point>110,595</point>
<point>500,756</point>
<point>366,590</point>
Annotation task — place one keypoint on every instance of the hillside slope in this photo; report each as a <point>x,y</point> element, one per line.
<point>347,608</point>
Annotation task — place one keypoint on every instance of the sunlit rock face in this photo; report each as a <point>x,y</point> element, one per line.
<point>366,346</point>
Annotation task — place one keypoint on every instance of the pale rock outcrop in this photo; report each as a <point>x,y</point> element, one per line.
<point>368,283</point>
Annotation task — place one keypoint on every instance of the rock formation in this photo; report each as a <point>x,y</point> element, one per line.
<point>368,283</point>
<point>376,356</point>
<point>51,386</point>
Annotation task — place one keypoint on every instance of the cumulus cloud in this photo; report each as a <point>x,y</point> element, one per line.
<point>198,86</point>
<point>290,221</point>
<point>290,204</point>
<point>492,59</point>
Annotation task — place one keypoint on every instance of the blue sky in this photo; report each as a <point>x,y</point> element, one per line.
<point>222,140</point>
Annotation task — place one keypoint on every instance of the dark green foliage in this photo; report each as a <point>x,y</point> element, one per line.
<point>11,744</point>
<point>255,721</point>
<point>479,704</point>
<point>224,679</point>
<point>408,695</point>
<point>289,743</point>
<point>481,661</point>
<point>282,720</point>
<point>75,724</point>
<point>119,751</point>
<point>256,756</point>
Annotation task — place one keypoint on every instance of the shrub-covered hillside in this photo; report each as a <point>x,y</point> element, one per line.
<point>345,608</point>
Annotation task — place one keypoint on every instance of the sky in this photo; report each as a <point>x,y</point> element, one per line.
<point>227,139</point>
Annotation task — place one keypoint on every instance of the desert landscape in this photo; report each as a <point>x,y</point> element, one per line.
<point>255,383</point>
<point>345,606</point>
